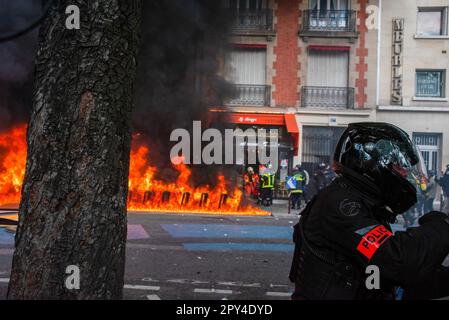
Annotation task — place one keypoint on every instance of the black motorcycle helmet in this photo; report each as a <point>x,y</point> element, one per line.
<point>380,158</point>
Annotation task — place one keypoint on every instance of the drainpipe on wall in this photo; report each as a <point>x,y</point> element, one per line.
<point>379,33</point>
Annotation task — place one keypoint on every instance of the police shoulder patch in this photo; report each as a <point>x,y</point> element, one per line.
<point>349,208</point>
<point>373,240</point>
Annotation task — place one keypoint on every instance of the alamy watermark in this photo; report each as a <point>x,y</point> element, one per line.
<point>261,146</point>
<point>72,281</point>
<point>73,19</point>
<point>372,281</point>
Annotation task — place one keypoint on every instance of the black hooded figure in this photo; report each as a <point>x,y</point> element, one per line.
<point>345,247</point>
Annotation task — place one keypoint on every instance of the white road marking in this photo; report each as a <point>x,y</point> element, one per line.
<point>140,287</point>
<point>149,280</point>
<point>178,281</point>
<point>239,284</point>
<point>153,297</point>
<point>217,291</point>
<point>195,282</point>
<point>278,285</point>
<point>4,280</point>
<point>278,294</point>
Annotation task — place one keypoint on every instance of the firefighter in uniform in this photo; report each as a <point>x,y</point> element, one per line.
<point>266,186</point>
<point>346,227</point>
<point>297,193</point>
<point>250,182</point>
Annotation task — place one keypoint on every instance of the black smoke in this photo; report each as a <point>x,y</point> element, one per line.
<point>182,48</point>
<point>17,60</point>
<point>181,53</point>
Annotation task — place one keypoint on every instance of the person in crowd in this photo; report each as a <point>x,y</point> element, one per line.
<point>431,192</point>
<point>250,182</point>
<point>444,183</point>
<point>300,182</point>
<point>266,187</point>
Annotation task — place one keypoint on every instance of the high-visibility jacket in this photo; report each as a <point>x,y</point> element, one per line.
<point>250,183</point>
<point>267,181</point>
<point>300,181</point>
<point>251,178</point>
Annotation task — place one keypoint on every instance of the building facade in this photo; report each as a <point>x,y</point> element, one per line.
<point>414,60</point>
<point>333,62</point>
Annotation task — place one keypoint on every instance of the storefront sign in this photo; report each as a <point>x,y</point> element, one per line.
<point>396,61</point>
<point>247,120</point>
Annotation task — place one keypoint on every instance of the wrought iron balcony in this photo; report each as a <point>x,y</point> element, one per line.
<point>327,97</point>
<point>329,23</point>
<point>250,95</point>
<point>252,20</point>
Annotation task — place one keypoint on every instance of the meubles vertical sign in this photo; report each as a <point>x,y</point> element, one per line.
<point>396,61</point>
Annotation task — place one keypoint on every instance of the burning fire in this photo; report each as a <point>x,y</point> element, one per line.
<point>13,152</point>
<point>145,192</point>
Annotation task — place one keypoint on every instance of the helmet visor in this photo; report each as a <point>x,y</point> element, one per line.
<point>403,159</point>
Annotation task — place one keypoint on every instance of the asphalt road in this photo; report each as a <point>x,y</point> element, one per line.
<point>172,256</point>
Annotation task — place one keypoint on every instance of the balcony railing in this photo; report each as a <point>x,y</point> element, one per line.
<point>252,20</point>
<point>327,97</point>
<point>340,21</point>
<point>250,95</point>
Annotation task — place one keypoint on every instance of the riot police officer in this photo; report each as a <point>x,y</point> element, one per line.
<point>346,227</point>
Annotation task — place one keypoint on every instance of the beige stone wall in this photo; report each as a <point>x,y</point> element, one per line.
<point>417,53</point>
<point>415,115</point>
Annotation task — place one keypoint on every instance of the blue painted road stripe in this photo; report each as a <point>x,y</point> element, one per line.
<point>238,247</point>
<point>227,231</point>
<point>6,238</point>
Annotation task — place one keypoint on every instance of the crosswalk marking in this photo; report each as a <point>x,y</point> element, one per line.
<point>141,287</point>
<point>278,294</point>
<point>153,297</point>
<point>217,291</point>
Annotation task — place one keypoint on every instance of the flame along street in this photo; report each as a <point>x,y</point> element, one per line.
<point>146,193</point>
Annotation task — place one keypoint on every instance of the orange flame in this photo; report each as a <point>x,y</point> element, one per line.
<point>145,192</point>
<point>13,152</point>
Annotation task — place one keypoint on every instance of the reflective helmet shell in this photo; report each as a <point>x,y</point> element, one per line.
<point>384,156</point>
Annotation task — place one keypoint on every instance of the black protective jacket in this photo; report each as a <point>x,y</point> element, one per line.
<point>344,229</point>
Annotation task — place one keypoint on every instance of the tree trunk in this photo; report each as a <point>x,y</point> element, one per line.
<point>73,206</point>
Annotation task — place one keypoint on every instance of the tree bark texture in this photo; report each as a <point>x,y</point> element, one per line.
<point>73,206</point>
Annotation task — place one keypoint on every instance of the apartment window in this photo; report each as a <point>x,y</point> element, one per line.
<point>432,21</point>
<point>246,69</point>
<point>430,83</point>
<point>246,4</point>
<point>328,4</point>
<point>327,67</point>
<point>327,78</point>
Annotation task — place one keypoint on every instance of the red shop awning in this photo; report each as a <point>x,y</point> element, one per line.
<point>275,119</point>
<point>293,129</point>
